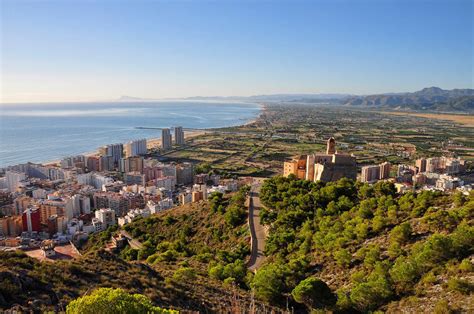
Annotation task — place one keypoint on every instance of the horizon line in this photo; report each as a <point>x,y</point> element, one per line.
<point>137,99</point>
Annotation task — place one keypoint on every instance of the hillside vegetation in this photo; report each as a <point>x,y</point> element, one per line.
<point>341,246</point>
<point>194,258</point>
<point>348,246</point>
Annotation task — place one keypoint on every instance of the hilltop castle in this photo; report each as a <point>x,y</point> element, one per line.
<point>327,167</point>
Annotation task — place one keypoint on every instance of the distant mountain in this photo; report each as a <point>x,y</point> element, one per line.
<point>277,97</point>
<point>430,98</point>
<point>130,98</point>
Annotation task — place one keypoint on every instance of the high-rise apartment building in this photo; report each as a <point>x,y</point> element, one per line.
<point>14,179</point>
<point>31,219</point>
<point>113,150</point>
<point>81,204</point>
<point>166,140</point>
<point>370,173</point>
<point>135,148</point>
<point>184,173</point>
<point>117,202</point>
<point>179,135</point>
<point>78,161</point>
<point>93,163</point>
<point>421,164</point>
<point>152,173</point>
<point>11,226</point>
<point>385,170</point>
<point>134,177</point>
<point>131,164</point>
<point>106,216</point>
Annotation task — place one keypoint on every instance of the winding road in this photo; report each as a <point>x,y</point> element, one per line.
<point>134,244</point>
<point>257,231</point>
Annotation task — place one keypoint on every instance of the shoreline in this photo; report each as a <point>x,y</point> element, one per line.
<point>156,141</point>
<point>150,143</point>
<point>153,142</point>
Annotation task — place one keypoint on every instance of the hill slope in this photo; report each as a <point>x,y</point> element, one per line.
<point>431,98</point>
<point>375,250</point>
<point>340,246</point>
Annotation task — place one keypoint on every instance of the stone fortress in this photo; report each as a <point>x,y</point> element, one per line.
<point>329,166</point>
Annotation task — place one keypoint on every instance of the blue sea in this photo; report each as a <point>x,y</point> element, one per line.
<point>45,132</point>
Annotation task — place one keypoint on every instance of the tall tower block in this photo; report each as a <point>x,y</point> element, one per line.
<point>331,146</point>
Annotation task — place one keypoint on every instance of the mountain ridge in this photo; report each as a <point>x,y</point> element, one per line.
<point>427,99</point>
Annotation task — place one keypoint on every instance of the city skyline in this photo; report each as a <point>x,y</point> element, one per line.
<point>95,51</point>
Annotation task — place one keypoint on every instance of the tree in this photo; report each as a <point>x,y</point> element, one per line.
<point>382,188</point>
<point>400,233</point>
<point>268,282</point>
<point>458,199</point>
<point>111,301</point>
<point>216,200</point>
<point>202,168</point>
<point>313,293</point>
<point>343,257</point>
<point>373,293</point>
<point>462,240</point>
<point>404,273</point>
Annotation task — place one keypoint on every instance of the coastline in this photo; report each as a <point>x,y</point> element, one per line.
<point>152,141</point>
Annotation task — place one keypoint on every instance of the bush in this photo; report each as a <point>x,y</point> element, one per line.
<point>268,283</point>
<point>343,257</point>
<point>184,274</point>
<point>400,233</point>
<point>313,293</point>
<point>463,240</point>
<point>460,285</point>
<point>394,250</point>
<point>404,273</point>
<point>168,256</point>
<point>369,295</point>
<point>111,301</point>
<point>216,272</point>
<point>343,303</point>
<point>229,281</point>
<point>372,256</point>
<point>466,266</point>
<point>442,307</point>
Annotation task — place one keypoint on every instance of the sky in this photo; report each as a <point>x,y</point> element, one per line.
<point>71,50</point>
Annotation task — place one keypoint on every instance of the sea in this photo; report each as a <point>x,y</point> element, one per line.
<point>43,132</point>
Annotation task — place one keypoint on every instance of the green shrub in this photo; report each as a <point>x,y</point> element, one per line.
<point>111,301</point>
<point>460,285</point>
<point>401,233</point>
<point>313,293</point>
<point>466,266</point>
<point>268,283</point>
<point>185,274</point>
<point>343,257</point>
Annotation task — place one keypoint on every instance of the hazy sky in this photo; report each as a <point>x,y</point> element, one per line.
<point>96,50</point>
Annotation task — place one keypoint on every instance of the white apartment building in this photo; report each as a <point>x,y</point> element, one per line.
<point>106,216</point>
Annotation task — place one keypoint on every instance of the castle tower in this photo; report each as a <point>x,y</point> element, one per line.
<point>331,146</point>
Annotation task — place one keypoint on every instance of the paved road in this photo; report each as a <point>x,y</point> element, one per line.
<point>257,231</point>
<point>134,244</point>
